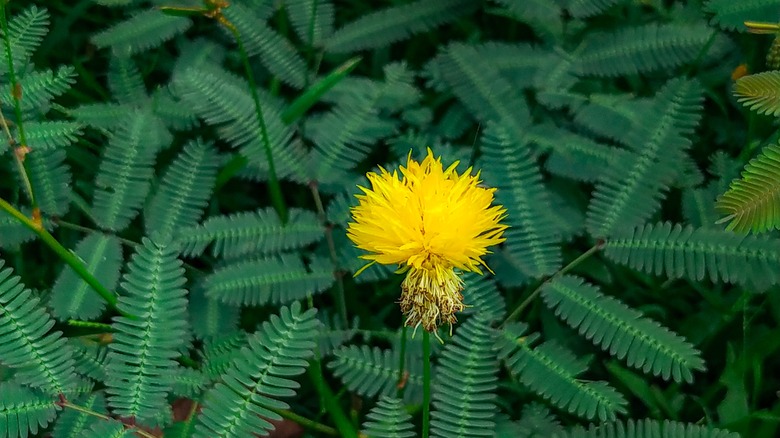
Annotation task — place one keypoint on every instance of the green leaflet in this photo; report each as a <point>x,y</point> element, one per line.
<point>647,427</point>
<point>759,92</point>
<point>275,280</point>
<point>751,201</point>
<point>71,296</point>
<point>553,372</point>
<point>255,381</point>
<point>388,419</point>
<point>465,383</point>
<point>622,331</point>
<point>396,23</point>
<point>141,357</point>
<point>679,251</point>
<point>23,410</point>
<point>41,358</point>
<point>141,32</point>
<point>184,190</point>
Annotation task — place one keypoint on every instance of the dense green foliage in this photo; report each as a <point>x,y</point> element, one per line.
<point>178,177</point>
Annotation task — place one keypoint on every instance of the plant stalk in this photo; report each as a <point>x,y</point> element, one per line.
<point>426,407</point>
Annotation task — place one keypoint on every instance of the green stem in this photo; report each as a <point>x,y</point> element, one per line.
<point>16,96</point>
<point>306,423</point>
<point>595,248</point>
<point>273,182</point>
<point>68,257</point>
<point>103,328</point>
<point>402,364</point>
<point>426,406</point>
<point>329,401</point>
<point>339,292</point>
<point>83,410</point>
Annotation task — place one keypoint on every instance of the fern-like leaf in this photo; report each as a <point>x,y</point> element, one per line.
<point>259,232</point>
<point>275,52</point>
<point>751,202</point>
<point>731,15</point>
<point>23,411</point>
<point>240,404</point>
<point>268,280</point>
<point>313,22</point>
<point>647,428</point>
<point>386,26</point>
<point>589,8</point>
<point>388,419</point>
<point>41,86</point>
<point>74,424</point>
<point>532,240</point>
<point>482,297</point>
<point>552,371</point>
<point>125,81</point>
<point>46,135</point>
<point>464,396</point>
<point>210,317</point>
<point>109,429</point>
<point>536,421</point>
<point>647,48</point>
<point>13,232</point>
<point>184,190</point>
<point>125,173</point>
<point>632,189</point>
<point>143,31</point>
<point>760,92</point>
<point>50,178</point>
<point>141,357</point>
<point>479,85</point>
<point>697,253</point>
<point>621,330</point>
<point>71,296</point>
<point>25,33</point>
<point>41,360</point>
<point>223,100</point>
<point>90,359</point>
<point>374,371</point>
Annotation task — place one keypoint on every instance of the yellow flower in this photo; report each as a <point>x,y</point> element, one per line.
<point>429,222</point>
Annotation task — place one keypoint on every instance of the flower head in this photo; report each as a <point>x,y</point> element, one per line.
<point>429,221</point>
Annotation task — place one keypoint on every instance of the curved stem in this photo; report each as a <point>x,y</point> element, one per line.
<point>20,150</point>
<point>66,255</point>
<point>426,407</point>
<point>83,410</point>
<point>519,309</point>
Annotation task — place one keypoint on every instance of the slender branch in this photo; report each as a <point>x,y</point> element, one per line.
<point>83,229</point>
<point>339,292</point>
<point>515,313</point>
<point>402,365</point>
<point>273,182</point>
<point>83,410</point>
<point>20,150</point>
<point>306,423</point>
<point>103,328</point>
<point>67,256</point>
<point>426,407</point>
<point>329,401</point>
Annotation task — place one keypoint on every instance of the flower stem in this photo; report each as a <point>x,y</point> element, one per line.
<point>329,401</point>
<point>67,256</point>
<point>306,423</point>
<point>519,309</point>
<point>401,364</point>
<point>426,407</point>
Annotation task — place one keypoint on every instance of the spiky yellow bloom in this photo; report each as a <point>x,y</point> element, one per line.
<point>430,221</point>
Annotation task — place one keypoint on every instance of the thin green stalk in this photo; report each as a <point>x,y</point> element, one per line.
<point>402,364</point>
<point>339,291</point>
<point>67,256</point>
<point>306,423</point>
<point>329,401</point>
<point>595,248</point>
<point>273,182</point>
<point>426,406</point>
<point>103,328</point>
<point>83,410</point>
<point>16,96</point>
